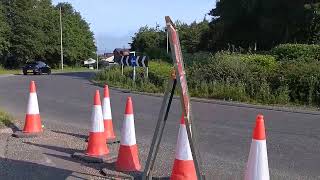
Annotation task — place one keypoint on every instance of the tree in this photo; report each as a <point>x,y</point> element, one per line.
<point>78,40</point>
<point>267,23</point>
<point>4,32</point>
<point>192,36</point>
<point>150,41</point>
<point>34,33</point>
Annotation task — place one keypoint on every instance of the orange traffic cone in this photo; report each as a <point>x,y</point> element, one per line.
<point>32,120</point>
<point>128,158</point>
<point>97,142</point>
<point>107,115</point>
<point>257,166</point>
<point>183,167</point>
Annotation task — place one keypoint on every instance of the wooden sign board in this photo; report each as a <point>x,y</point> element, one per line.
<point>179,66</point>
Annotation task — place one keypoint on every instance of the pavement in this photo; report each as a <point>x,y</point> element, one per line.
<point>65,100</point>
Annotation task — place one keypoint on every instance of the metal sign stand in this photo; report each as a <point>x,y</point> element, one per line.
<point>147,71</point>
<point>122,69</point>
<point>179,79</point>
<point>134,73</point>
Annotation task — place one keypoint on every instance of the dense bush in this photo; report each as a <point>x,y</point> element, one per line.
<point>301,52</point>
<point>241,77</point>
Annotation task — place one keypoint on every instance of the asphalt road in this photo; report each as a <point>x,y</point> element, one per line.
<point>293,139</point>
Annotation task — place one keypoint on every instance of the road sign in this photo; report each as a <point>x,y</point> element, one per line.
<point>133,61</point>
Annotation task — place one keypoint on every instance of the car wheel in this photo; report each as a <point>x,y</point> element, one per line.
<point>49,72</point>
<point>40,72</point>
<point>25,73</point>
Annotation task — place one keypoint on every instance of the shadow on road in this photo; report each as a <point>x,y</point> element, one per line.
<point>72,134</point>
<point>99,166</point>
<point>55,148</point>
<point>14,169</point>
<point>79,75</point>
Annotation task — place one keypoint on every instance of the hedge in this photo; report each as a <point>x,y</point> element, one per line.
<point>300,52</point>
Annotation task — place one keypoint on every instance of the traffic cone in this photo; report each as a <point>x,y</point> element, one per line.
<point>257,166</point>
<point>107,115</point>
<point>183,166</point>
<point>128,158</point>
<point>97,142</point>
<point>32,121</point>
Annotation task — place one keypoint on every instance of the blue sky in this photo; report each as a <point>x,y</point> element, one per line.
<point>114,22</point>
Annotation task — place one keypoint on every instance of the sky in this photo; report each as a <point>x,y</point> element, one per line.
<point>114,22</point>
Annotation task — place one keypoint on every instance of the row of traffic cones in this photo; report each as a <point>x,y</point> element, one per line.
<point>128,158</point>
<point>102,130</point>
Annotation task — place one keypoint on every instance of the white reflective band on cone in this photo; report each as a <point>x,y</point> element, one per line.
<point>128,134</point>
<point>97,119</point>
<point>33,107</point>
<point>257,167</point>
<point>183,151</point>
<point>106,109</point>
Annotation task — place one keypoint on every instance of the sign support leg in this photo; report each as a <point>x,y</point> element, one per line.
<point>162,118</point>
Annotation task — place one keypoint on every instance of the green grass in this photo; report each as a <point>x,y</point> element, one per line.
<point>5,119</point>
<point>9,71</point>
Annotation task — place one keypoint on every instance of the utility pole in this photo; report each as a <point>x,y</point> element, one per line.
<point>97,61</point>
<point>61,48</point>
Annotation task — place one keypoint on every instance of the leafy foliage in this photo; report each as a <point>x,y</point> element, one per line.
<point>297,52</point>
<point>4,32</point>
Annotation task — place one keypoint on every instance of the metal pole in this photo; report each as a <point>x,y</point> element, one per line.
<point>134,73</point>
<point>147,72</point>
<point>97,61</point>
<point>61,48</point>
<point>122,69</point>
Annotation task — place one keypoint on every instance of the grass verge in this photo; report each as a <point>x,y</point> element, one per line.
<point>5,119</point>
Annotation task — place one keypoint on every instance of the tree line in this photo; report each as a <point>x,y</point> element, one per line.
<point>244,25</point>
<point>30,30</point>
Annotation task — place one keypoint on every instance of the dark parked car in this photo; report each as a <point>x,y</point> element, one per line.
<point>36,67</point>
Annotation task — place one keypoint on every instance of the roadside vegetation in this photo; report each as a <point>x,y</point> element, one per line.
<point>5,119</point>
<point>278,76</point>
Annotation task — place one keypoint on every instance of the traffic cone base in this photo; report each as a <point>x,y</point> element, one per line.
<point>95,147</point>
<point>108,129</point>
<point>183,170</point>
<point>128,159</point>
<point>32,124</point>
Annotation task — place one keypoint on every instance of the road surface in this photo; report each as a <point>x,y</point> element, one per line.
<point>293,139</point>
